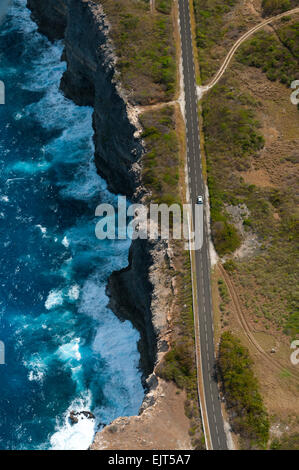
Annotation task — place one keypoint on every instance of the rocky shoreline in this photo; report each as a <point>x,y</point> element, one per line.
<point>141,292</point>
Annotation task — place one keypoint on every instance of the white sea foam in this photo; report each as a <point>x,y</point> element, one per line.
<point>74,436</point>
<point>65,242</point>
<point>66,269</point>
<point>116,343</point>
<point>74,292</point>
<point>86,183</point>
<point>120,353</point>
<point>54,299</point>
<point>114,350</point>
<point>70,351</point>
<point>42,229</point>
<point>18,116</point>
<point>21,17</point>
<point>37,368</point>
<point>36,376</point>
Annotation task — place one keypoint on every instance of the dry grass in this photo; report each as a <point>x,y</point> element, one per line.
<point>145,49</point>
<point>266,280</point>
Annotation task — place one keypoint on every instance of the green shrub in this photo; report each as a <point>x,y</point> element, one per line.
<point>160,164</point>
<point>248,415</point>
<point>286,442</point>
<point>230,266</point>
<point>278,62</point>
<point>164,6</point>
<point>209,30</point>
<point>223,291</point>
<point>145,48</point>
<point>274,7</point>
<point>178,365</point>
<point>225,237</point>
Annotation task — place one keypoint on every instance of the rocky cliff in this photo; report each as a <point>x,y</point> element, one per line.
<point>50,16</point>
<point>91,79</point>
<point>142,291</point>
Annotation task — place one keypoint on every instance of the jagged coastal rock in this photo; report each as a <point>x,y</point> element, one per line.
<point>142,291</point>
<point>91,80</point>
<point>50,15</point>
<point>75,416</point>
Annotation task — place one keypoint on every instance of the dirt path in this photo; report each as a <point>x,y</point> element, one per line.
<point>230,55</point>
<point>153,107</point>
<point>243,322</point>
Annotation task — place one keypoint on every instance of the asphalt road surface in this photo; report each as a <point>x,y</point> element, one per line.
<point>196,186</point>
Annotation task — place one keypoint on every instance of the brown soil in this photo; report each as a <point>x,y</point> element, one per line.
<point>279,380</point>
<point>276,165</point>
<point>162,426</point>
<point>258,177</point>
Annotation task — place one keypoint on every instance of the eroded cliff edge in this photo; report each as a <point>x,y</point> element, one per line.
<point>91,80</point>
<point>142,291</point>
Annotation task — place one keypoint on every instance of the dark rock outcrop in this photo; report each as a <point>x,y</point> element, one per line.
<point>91,80</point>
<point>50,16</point>
<point>136,293</point>
<point>76,415</point>
<point>130,292</point>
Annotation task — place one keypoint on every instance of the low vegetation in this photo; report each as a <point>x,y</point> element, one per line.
<point>160,164</point>
<point>179,364</point>
<point>231,136</point>
<point>233,142</point>
<point>247,413</point>
<point>286,442</point>
<point>145,48</point>
<point>279,60</point>
<point>210,31</point>
<point>163,6</point>
<point>274,7</point>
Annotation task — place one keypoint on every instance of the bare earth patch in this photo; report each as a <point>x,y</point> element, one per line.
<point>162,426</point>
<point>278,387</point>
<point>277,163</point>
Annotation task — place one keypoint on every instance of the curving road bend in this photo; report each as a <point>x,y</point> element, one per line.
<point>238,43</point>
<point>210,400</point>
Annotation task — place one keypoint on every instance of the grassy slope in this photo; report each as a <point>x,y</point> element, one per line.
<point>274,7</point>
<point>233,139</point>
<point>240,386</point>
<point>145,49</point>
<point>161,161</point>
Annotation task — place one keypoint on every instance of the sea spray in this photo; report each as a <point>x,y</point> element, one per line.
<point>65,350</point>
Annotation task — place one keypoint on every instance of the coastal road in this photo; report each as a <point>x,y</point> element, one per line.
<point>208,387</point>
